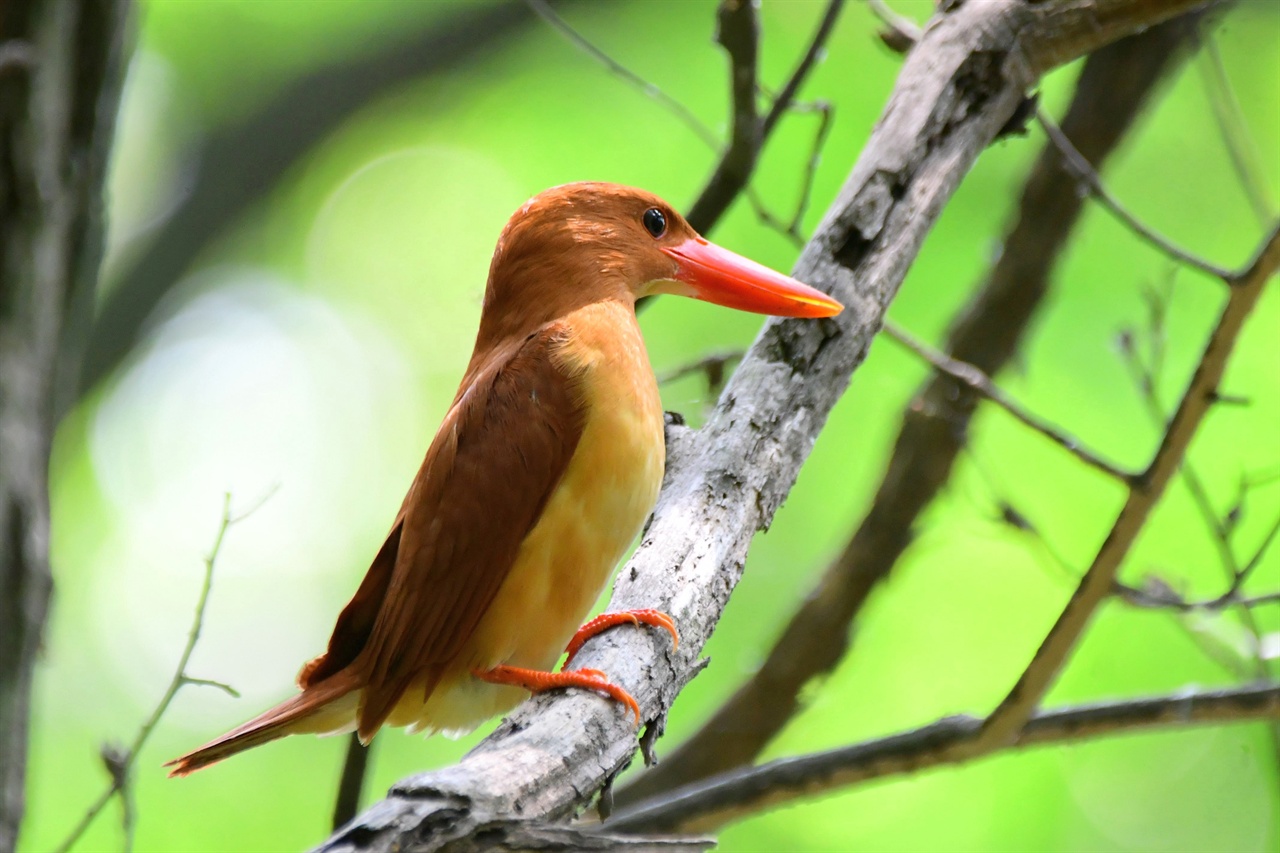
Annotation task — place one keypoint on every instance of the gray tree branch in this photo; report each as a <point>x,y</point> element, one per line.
<point>1114,85</point>
<point>59,89</point>
<point>707,805</point>
<point>957,90</point>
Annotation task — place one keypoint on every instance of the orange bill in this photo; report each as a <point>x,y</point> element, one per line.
<point>720,276</point>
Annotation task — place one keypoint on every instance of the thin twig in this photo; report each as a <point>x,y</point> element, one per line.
<point>1019,520</point>
<point>711,365</point>
<point>770,220</point>
<point>817,44</point>
<point>208,682</point>
<point>1019,705</point>
<point>1256,559</point>
<point>1158,596</point>
<point>982,384</point>
<point>791,229</point>
<point>713,803</point>
<point>732,173</point>
<point>544,11</point>
<point>906,31</point>
<point>1163,596</point>
<point>121,765</point>
<point>824,110</point>
<point>1089,178</point>
<point>1234,128</point>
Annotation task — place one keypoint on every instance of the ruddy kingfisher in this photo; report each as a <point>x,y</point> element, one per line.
<point>546,465</point>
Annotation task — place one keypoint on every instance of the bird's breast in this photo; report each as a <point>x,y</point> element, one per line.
<point>600,503</point>
<point>591,517</point>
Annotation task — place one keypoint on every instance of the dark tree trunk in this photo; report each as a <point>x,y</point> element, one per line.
<point>61,66</point>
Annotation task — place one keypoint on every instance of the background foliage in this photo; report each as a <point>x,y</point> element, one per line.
<point>318,341</point>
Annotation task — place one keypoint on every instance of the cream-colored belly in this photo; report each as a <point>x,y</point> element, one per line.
<point>593,515</point>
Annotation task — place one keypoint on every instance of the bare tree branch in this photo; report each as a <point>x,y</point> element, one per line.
<point>60,80</point>
<point>1147,377</point>
<point>1235,132</point>
<point>738,31</point>
<point>787,94</point>
<point>544,11</point>
<point>733,172</point>
<point>978,381</point>
<point>1020,704</point>
<point>957,90</point>
<point>120,763</point>
<point>905,33</point>
<point>1114,85</point>
<point>1085,172</point>
<point>1162,596</point>
<point>713,365</point>
<point>711,804</point>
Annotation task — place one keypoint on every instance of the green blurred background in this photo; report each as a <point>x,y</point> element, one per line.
<point>315,344</point>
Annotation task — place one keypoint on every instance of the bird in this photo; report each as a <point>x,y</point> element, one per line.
<point>541,474</point>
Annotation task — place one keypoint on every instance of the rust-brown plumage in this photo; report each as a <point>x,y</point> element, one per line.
<point>514,432</point>
<point>540,475</point>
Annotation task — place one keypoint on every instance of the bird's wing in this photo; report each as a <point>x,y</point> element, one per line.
<point>356,620</point>
<point>498,456</point>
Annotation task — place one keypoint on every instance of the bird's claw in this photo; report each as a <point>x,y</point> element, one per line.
<point>604,621</point>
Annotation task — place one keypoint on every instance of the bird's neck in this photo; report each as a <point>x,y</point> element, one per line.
<point>502,327</point>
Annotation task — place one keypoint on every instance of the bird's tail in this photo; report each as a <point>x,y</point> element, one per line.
<point>328,707</point>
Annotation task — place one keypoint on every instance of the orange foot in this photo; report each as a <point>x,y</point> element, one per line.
<point>536,681</point>
<point>656,618</point>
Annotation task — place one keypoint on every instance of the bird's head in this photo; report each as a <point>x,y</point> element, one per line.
<point>577,244</point>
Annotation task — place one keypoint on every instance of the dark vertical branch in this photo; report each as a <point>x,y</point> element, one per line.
<point>738,31</point>
<point>355,766</point>
<point>1114,86</point>
<point>59,90</point>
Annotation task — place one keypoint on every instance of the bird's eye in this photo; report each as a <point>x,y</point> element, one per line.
<point>654,222</point>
